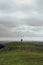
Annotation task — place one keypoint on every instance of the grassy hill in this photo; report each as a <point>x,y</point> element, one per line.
<point>24,53</point>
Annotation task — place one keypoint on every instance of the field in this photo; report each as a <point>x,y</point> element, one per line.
<point>24,53</point>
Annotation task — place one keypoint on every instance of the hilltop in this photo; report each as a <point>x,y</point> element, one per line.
<point>24,53</point>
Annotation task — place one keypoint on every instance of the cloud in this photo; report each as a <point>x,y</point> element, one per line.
<point>24,1</point>
<point>27,31</point>
<point>21,18</point>
<point>20,15</point>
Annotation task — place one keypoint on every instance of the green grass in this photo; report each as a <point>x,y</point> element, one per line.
<point>22,54</point>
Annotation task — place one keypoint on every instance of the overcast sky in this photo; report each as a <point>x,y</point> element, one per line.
<point>21,18</point>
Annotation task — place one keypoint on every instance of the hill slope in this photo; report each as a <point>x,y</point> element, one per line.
<point>22,54</point>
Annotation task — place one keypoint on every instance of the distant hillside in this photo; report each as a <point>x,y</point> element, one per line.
<point>33,42</point>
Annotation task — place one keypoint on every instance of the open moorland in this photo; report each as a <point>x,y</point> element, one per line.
<point>24,53</point>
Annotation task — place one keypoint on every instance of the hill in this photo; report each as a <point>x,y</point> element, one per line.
<point>24,53</point>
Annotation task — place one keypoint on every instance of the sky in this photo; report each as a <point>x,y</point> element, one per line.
<point>21,18</point>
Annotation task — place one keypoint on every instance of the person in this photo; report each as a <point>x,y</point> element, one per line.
<point>21,40</point>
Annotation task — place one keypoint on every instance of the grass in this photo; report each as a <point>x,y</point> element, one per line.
<point>23,53</point>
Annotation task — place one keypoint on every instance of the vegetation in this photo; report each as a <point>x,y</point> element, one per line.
<point>24,53</point>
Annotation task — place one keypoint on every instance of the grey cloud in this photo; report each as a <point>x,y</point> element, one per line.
<point>34,22</point>
<point>14,27</point>
<point>28,31</point>
<point>39,5</point>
